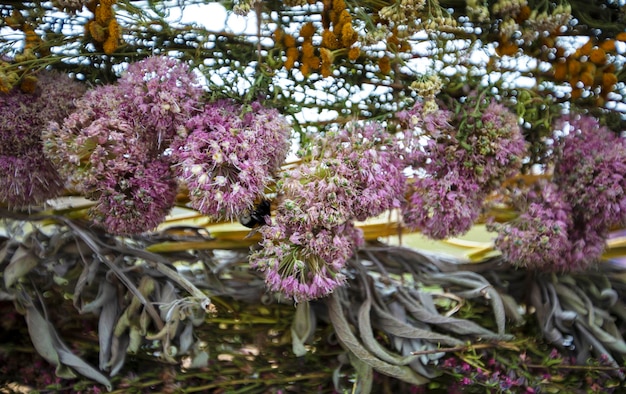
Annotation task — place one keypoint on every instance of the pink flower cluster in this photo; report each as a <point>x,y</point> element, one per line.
<point>159,95</point>
<point>538,238</point>
<point>465,157</point>
<point>305,265</point>
<point>126,145</point>
<point>113,147</point>
<point>353,174</point>
<point>228,154</point>
<point>565,224</point>
<point>26,176</point>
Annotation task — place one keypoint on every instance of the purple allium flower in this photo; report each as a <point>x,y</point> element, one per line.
<point>463,159</point>
<point>375,164</point>
<point>227,156</point>
<point>318,194</point>
<point>434,124</point>
<point>65,142</point>
<point>135,197</point>
<point>588,244</point>
<point>28,179</point>
<point>497,145</point>
<point>159,94</point>
<point>590,170</point>
<point>489,144</point>
<point>86,147</point>
<point>354,173</point>
<point>539,237</point>
<point>271,130</point>
<point>308,265</point>
<point>117,141</point>
<point>27,175</point>
<point>443,207</point>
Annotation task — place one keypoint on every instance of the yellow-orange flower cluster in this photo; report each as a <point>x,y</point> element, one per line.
<point>395,43</point>
<point>338,36</point>
<point>103,28</point>
<point>34,46</point>
<point>288,42</point>
<point>8,78</point>
<point>338,39</point>
<point>588,68</point>
<point>308,61</point>
<point>506,47</point>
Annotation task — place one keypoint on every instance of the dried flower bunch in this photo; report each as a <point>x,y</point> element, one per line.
<point>565,223</point>
<point>228,153</point>
<point>487,142</point>
<point>128,145</point>
<point>26,176</point>
<point>112,148</point>
<point>465,158</point>
<point>125,145</point>
<point>352,174</point>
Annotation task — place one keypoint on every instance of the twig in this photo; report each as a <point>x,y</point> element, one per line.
<point>577,367</point>
<point>458,348</point>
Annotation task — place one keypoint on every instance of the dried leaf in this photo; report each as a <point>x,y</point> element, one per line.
<point>106,294</point>
<point>106,323</point>
<point>118,354</point>
<point>135,340</point>
<point>347,338</point>
<point>498,312</point>
<point>50,346</point>
<point>87,276</point>
<point>367,336</point>
<point>80,366</point>
<point>302,327</point>
<point>458,326</point>
<point>200,357</point>
<point>5,246</point>
<point>391,325</point>
<point>22,262</point>
<point>365,374</point>
<point>43,340</point>
<point>185,338</point>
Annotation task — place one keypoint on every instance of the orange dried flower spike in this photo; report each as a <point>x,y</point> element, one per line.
<point>598,56</point>
<point>587,79</point>
<point>506,48</point>
<point>573,66</point>
<point>608,45</point>
<point>96,31</point>
<point>103,14</point>
<point>523,14</point>
<point>348,35</point>
<point>278,35</point>
<point>292,55</point>
<point>384,64</point>
<point>560,71</point>
<point>308,49</point>
<point>307,30</point>
<point>354,53</point>
<point>289,41</point>
<point>329,40</point>
<point>584,50</point>
<point>28,84</point>
<point>608,81</point>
